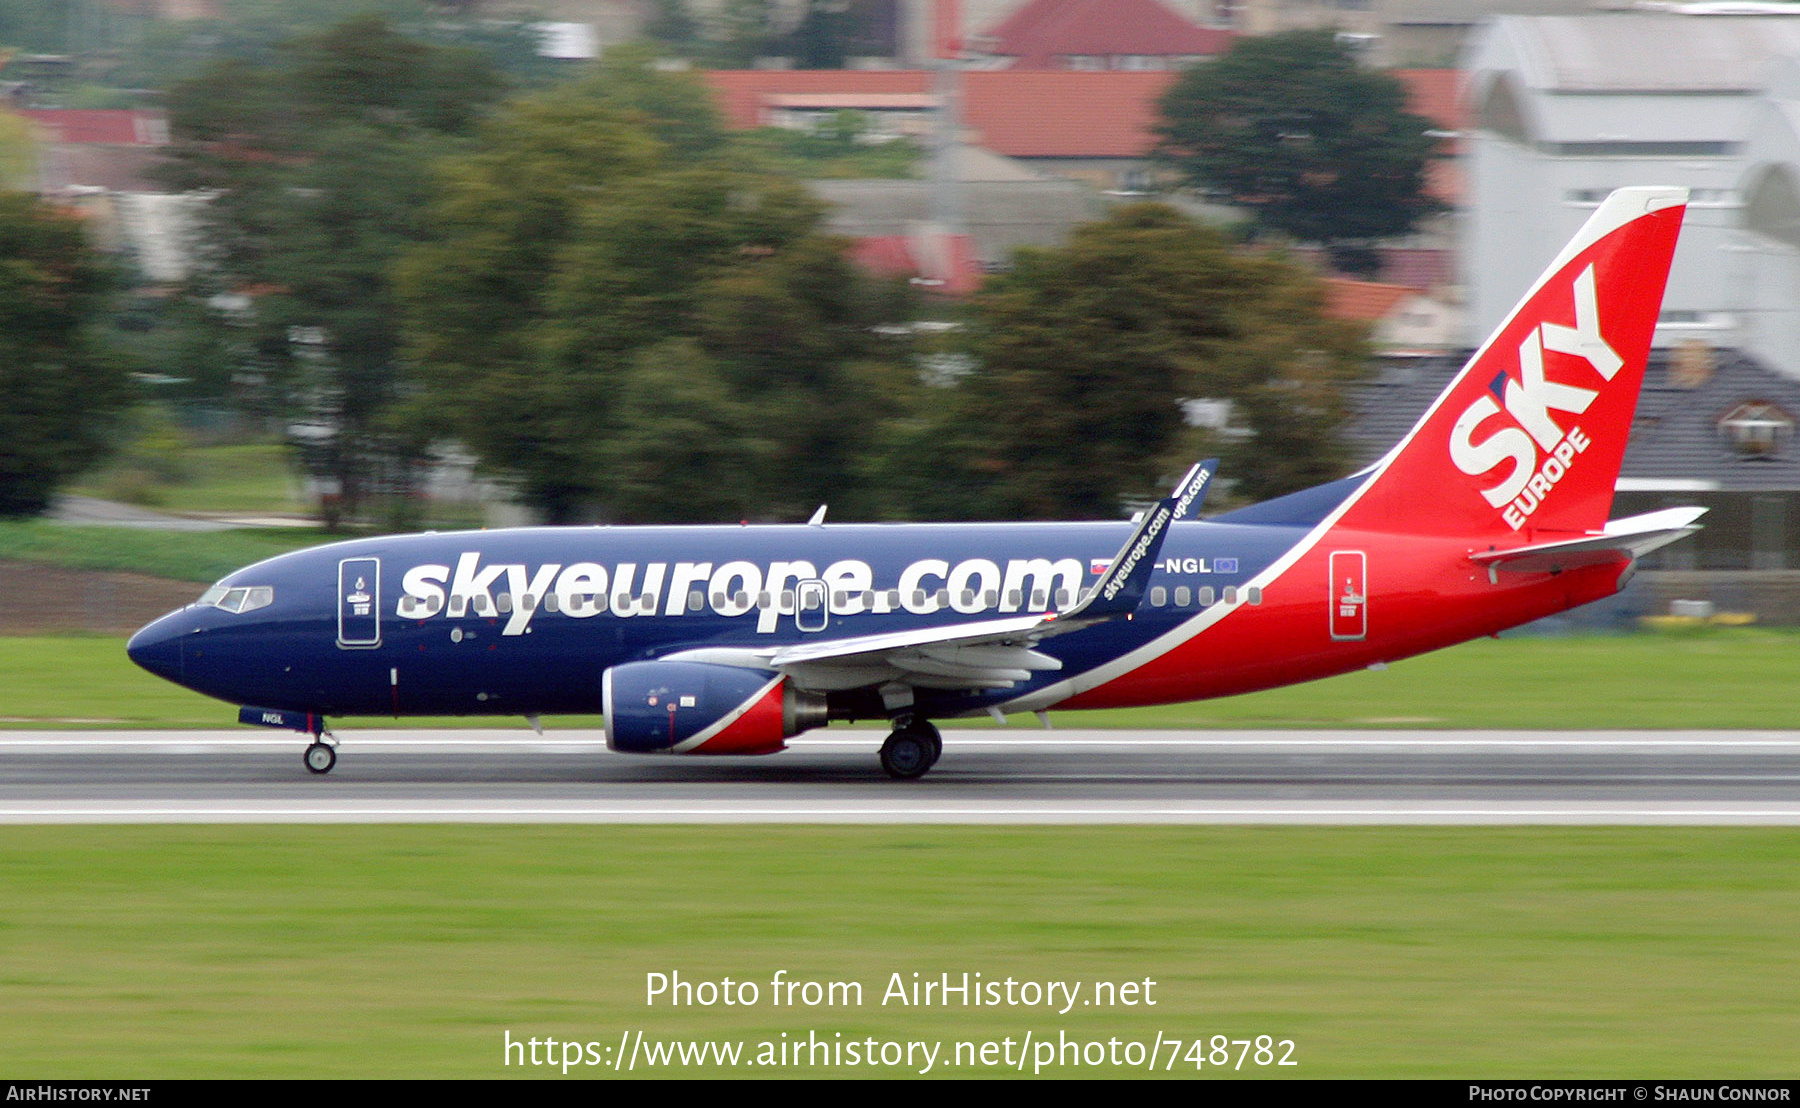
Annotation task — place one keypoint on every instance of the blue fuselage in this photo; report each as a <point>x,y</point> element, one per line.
<point>525,621</point>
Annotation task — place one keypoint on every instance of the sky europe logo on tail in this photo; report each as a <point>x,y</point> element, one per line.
<point>1540,449</point>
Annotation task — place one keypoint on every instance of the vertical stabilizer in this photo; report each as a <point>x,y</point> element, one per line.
<point>1530,435</point>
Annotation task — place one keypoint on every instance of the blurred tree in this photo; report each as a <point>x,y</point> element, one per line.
<point>1083,354</point>
<point>315,164</point>
<point>682,446</point>
<point>61,391</point>
<point>18,153</point>
<point>814,34</point>
<point>603,237</point>
<point>1289,126</point>
<point>740,31</point>
<point>673,23</point>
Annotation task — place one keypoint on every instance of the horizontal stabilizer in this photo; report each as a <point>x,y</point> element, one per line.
<point>1632,537</point>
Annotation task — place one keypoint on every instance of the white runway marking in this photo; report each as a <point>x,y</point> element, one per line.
<point>575,741</point>
<point>881,812</point>
<point>1022,777</point>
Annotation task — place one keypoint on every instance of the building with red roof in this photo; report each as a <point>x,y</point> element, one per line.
<point>1363,301</point>
<point>936,262</point>
<point>1402,320</point>
<point>105,149</point>
<point>1096,127</point>
<point>1097,35</point>
<point>105,127</point>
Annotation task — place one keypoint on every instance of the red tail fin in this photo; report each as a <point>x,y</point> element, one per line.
<point>1530,435</point>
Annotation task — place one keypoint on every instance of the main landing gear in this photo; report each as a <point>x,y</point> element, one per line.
<point>912,748</point>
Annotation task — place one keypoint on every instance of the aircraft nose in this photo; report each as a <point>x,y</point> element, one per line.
<point>157,647</point>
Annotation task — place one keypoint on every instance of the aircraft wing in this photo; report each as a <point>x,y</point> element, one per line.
<point>982,654</point>
<point>987,654</point>
<point>1633,536</point>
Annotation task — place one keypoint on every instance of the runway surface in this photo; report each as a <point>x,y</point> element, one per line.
<point>985,776</point>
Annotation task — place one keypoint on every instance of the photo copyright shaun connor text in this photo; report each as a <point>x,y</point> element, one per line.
<point>1027,1050</point>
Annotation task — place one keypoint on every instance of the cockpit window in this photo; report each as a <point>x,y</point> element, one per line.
<point>238,600</point>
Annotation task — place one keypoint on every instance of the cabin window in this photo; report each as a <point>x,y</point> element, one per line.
<point>918,598</point>
<point>1206,595</point>
<point>810,602</point>
<point>1183,596</point>
<point>1255,594</point>
<point>551,604</point>
<point>457,604</point>
<point>1015,598</point>
<point>740,600</point>
<point>762,601</point>
<point>527,602</point>
<point>1159,596</point>
<point>1231,594</point>
<point>990,598</point>
<point>787,600</point>
<point>503,602</point>
<point>1039,598</point>
<point>893,599</point>
<point>943,597</point>
<point>1062,598</point>
<point>696,600</point>
<point>840,600</point>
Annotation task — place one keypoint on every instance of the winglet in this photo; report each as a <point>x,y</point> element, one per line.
<point>1190,491</point>
<point>1120,589</point>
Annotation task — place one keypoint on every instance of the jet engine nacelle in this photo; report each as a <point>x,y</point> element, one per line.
<point>702,708</point>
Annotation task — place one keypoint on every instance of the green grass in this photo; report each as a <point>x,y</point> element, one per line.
<point>818,156</point>
<point>1715,678</point>
<point>146,952</point>
<point>231,477</point>
<point>203,556</point>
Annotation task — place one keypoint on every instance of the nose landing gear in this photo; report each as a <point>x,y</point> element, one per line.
<point>320,756</point>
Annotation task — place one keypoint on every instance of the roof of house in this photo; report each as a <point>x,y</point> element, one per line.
<point>947,265</point>
<point>1675,436</point>
<point>1363,301</point>
<point>861,101</point>
<point>1042,32</point>
<point>107,127</point>
<point>1417,266</point>
<point>1059,114</point>
<point>1020,113</point>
